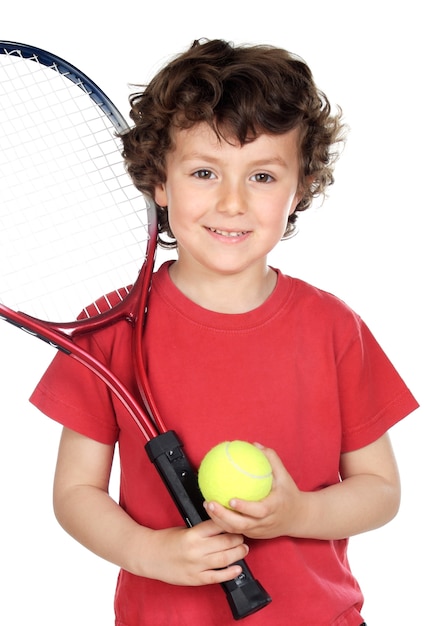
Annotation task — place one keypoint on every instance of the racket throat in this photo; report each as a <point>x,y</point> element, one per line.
<point>167,454</point>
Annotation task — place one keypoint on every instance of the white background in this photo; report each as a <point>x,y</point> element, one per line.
<point>364,244</point>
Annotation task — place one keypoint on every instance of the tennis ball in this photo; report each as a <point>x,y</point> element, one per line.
<point>234,469</point>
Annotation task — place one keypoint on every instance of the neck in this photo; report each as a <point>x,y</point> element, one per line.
<point>225,293</point>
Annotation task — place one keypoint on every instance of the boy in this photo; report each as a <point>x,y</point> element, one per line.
<point>232,142</point>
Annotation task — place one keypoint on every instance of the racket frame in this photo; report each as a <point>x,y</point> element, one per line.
<point>68,70</point>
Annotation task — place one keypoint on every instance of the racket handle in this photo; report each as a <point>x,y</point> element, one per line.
<point>245,594</point>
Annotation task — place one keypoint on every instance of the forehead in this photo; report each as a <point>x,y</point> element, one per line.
<point>201,140</point>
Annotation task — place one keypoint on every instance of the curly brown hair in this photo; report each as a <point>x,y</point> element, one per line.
<point>241,92</point>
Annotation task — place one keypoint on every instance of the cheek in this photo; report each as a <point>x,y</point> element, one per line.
<point>176,220</point>
<point>281,211</point>
<point>277,223</point>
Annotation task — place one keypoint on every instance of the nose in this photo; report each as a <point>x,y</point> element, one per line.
<point>232,198</point>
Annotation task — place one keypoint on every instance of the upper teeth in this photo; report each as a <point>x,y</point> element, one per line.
<point>227,233</point>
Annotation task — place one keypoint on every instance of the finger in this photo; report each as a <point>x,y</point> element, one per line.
<point>220,559</point>
<point>279,472</point>
<point>206,529</point>
<point>227,520</point>
<point>221,565</point>
<point>270,454</point>
<point>220,575</point>
<point>254,510</point>
<point>216,540</point>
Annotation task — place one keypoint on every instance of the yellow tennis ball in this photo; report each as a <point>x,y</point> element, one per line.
<point>234,469</point>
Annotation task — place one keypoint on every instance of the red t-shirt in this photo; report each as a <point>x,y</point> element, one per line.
<point>301,374</point>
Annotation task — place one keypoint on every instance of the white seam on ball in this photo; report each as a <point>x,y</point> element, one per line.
<point>240,469</point>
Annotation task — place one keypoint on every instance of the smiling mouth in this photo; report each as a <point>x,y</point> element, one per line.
<point>229,233</point>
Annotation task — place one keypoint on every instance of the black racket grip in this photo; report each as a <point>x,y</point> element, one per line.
<point>245,594</point>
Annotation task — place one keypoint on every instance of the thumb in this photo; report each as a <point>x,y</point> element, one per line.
<point>277,467</point>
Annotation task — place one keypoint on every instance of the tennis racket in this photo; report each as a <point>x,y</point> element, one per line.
<point>73,227</point>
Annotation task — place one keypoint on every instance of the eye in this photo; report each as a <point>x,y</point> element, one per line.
<point>262,177</point>
<point>205,174</point>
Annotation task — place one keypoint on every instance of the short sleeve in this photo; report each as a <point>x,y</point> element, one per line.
<point>73,396</point>
<point>373,396</point>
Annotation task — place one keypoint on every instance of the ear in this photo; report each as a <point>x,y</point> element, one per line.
<point>300,192</point>
<point>297,198</point>
<point>161,197</point>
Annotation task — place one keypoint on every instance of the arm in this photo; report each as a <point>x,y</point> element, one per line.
<point>367,497</point>
<point>86,511</point>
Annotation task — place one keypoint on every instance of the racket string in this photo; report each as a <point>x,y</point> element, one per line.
<point>73,227</point>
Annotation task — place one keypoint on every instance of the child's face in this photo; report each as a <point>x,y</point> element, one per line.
<point>228,205</point>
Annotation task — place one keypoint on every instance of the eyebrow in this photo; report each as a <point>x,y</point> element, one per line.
<point>270,161</point>
<point>212,159</point>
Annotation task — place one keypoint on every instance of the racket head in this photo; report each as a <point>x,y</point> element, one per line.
<point>72,225</point>
<point>74,231</point>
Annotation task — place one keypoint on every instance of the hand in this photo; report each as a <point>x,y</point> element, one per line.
<point>366,497</point>
<point>273,516</point>
<point>201,555</point>
<point>182,556</point>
